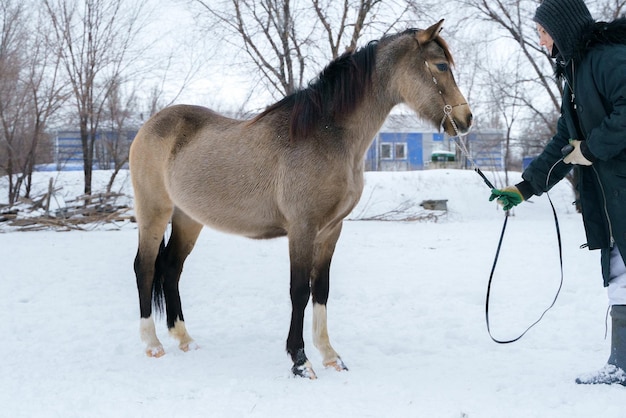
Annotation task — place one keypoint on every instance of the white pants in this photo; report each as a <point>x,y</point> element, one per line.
<point>617,283</point>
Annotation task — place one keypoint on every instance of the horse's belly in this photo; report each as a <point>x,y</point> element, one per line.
<point>246,228</point>
<point>228,198</point>
<point>253,221</point>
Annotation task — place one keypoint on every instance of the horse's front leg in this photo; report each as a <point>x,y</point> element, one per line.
<point>320,288</point>
<point>300,292</point>
<point>301,263</point>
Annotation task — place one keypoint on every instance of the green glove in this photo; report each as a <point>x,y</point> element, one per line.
<point>508,197</point>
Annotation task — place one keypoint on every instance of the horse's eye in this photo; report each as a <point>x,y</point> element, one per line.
<point>442,67</point>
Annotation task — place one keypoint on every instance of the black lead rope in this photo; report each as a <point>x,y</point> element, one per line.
<point>493,268</point>
<point>565,151</point>
<point>487,182</point>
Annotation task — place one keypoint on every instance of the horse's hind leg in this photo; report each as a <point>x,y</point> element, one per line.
<point>185,232</point>
<point>151,230</point>
<point>320,285</point>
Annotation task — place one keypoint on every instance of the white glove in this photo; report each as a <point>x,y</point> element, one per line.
<point>576,156</point>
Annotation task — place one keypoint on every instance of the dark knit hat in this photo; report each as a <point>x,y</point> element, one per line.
<point>565,21</point>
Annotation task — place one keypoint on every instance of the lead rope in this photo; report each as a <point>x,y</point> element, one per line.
<point>447,110</point>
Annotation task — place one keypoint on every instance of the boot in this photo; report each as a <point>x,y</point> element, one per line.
<point>614,371</point>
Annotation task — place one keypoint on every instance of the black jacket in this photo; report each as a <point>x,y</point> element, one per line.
<point>594,111</point>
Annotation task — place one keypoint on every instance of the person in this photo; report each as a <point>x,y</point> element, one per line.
<point>590,60</point>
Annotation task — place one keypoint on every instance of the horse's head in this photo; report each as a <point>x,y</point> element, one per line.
<point>423,79</point>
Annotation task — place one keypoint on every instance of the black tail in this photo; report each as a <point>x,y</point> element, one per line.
<point>158,296</point>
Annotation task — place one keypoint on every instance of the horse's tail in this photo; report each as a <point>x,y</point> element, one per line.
<point>158,295</point>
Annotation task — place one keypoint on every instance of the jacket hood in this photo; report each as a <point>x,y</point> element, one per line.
<point>599,33</point>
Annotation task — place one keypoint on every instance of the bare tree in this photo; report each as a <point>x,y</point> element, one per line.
<point>48,93</point>
<point>284,39</point>
<point>12,92</point>
<point>267,32</point>
<point>349,19</point>
<point>95,40</point>
<point>30,94</point>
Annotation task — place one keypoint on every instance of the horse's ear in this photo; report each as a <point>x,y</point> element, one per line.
<point>427,35</point>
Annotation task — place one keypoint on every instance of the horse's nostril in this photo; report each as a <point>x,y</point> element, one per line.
<point>470,119</point>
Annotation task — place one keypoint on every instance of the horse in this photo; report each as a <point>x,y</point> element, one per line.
<point>296,170</point>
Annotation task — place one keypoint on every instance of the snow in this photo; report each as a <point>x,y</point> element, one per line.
<point>406,313</point>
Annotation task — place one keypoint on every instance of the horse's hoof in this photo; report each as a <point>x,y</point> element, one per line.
<point>190,346</point>
<point>155,352</point>
<point>302,366</point>
<point>338,365</point>
<point>305,370</point>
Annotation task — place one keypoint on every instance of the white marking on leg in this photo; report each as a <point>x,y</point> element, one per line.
<point>148,336</point>
<point>321,340</point>
<point>185,342</point>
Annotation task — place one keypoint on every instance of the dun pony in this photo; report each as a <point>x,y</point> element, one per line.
<point>295,170</point>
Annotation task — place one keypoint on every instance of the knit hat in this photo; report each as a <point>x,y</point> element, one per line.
<point>565,21</point>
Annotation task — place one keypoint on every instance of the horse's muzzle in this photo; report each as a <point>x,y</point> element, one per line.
<point>457,119</point>
<point>466,126</point>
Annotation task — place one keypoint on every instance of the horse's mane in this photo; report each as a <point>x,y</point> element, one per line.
<point>334,93</point>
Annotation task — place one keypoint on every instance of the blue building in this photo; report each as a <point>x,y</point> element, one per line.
<point>403,143</point>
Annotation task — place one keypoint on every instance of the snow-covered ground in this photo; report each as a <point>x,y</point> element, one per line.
<point>406,313</point>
